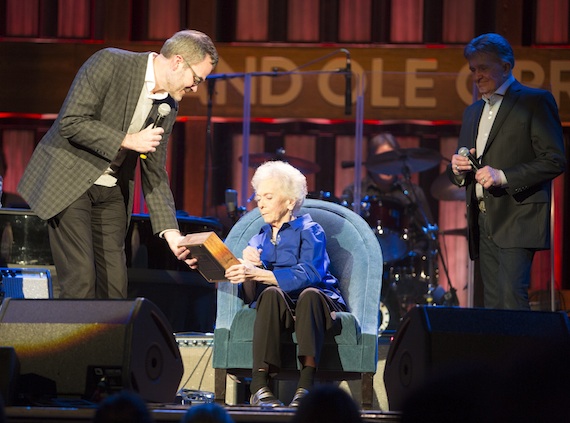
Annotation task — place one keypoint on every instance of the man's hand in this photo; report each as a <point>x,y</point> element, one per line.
<point>174,238</point>
<point>488,176</point>
<point>460,164</point>
<point>144,141</point>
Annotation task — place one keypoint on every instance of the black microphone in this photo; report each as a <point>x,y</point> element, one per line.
<point>348,84</point>
<point>231,202</point>
<point>163,111</point>
<point>464,151</point>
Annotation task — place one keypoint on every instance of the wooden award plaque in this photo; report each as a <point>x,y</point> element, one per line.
<point>214,257</point>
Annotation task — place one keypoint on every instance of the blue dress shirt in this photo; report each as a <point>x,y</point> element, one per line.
<point>298,258</point>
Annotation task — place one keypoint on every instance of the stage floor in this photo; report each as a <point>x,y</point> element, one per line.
<point>173,413</point>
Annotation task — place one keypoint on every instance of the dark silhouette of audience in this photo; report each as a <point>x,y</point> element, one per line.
<point>2,414</point>
<point>327,403</point>
<point>206,413</point>
<point>123,407</point>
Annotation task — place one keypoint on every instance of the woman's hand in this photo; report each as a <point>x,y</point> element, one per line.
<point>253,256</point>
<point>239,273</point>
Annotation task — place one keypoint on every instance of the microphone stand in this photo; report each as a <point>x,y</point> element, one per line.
<point>209,142</point>
<point>247,109</point>
<point>246,119</point>
<point>433,243</point>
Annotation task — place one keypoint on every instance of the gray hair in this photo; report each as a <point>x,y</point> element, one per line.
<point>191,44</point>
<point>293,182</point>
<point>381,139</point>
<point>492,44</point>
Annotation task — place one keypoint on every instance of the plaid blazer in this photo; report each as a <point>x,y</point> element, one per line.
<point>87,135</point>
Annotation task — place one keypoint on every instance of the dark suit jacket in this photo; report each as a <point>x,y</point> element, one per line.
<point>87,135</point>
<point>525,142</point>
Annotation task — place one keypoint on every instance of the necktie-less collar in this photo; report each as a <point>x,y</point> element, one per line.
<point>493,99</point>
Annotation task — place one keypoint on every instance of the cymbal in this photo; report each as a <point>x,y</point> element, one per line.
<point>305,167</point>
<point>399,161</point>
<point>442,189</point>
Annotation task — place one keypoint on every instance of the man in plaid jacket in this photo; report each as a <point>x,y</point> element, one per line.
<point>81,175</point>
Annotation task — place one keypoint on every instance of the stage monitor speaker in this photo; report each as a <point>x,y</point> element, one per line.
<point>9,374</point>
<point>90,348</point>
<point>433,340</point>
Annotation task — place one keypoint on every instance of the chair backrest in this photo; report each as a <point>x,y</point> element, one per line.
<point>356,260</point>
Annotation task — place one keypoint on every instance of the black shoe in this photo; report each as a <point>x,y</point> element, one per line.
<point>265,398</point>
<point>299,394</point>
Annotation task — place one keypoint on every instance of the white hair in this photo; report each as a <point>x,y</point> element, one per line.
<point>293,182</point>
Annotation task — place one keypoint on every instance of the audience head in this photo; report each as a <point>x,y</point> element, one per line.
<point>123,407</point>
<point>327,403</point>
<point>2,415</point>
<point>292,183</point>
<point>206,413</point>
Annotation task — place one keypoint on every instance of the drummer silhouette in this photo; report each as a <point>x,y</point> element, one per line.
<point>398,212</point>
<point>387,187</point>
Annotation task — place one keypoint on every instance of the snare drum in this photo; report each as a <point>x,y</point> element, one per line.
<point>389,220</point>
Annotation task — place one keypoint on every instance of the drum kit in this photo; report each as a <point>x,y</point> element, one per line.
<point>409,241</point>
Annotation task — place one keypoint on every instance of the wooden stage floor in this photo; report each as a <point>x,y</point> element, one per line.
<point>172,413</point>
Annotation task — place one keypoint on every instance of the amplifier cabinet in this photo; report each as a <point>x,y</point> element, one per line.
<point>198,379</point>
<point>196,350</point>
<point>26,283</point>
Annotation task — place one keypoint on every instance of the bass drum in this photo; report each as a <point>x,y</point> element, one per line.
<point>384,318</point>
<point>405,284</point>
<point>389,220</point>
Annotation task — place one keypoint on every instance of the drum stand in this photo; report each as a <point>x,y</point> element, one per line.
<point>433,296</point>
<point>450,297</point>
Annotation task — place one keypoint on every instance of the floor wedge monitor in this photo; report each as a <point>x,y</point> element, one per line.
<point>88,348</point>
<point>435,341</point>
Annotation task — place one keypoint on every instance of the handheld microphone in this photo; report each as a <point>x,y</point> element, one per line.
<point>348,84</point>
<point>163,111</point>
<point>231,202</point>
<point>464,151</point>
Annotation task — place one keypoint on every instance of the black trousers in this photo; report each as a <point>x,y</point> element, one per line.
<point>87,241</point>
<point>310,317</point>
<point>505,272</point>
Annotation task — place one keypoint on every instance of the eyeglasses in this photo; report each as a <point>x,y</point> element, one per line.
<point>197,79</point>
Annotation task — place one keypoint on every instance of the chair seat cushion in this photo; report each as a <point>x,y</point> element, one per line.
<point>345,332</point>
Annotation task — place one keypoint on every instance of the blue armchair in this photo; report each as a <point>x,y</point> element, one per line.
<point>351,350</point>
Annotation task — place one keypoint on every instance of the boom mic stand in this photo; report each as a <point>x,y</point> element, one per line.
<point>209,142</point>
<point>450,297</point>
<point>247,108</point>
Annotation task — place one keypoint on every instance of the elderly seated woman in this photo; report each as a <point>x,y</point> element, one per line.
<point>284,276</point>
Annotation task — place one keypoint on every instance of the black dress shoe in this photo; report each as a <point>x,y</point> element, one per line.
<point>265,398</point>
<point>299,394</point>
